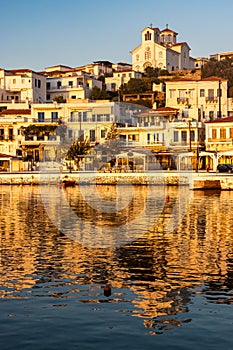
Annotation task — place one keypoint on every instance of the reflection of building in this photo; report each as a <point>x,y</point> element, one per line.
<point>162,268</point>
<point>159,49</point>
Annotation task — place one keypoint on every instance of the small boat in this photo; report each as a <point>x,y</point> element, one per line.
<point>68,183</point>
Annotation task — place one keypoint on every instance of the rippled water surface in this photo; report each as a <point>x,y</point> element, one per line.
<point>166,252</point>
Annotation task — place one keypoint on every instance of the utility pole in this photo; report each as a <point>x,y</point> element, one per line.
<point>190,140</point>
<point>219,98</point>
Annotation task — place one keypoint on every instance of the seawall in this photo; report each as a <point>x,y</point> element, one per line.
<point>201,180</point>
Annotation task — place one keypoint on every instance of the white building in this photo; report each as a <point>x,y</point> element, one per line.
<point>21,85</point>
<point>204,99</point>
<point>160,49</point>
<point>71,85</point>
<point>121,77</point>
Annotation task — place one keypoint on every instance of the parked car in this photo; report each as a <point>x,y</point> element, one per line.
<point>225,168</point>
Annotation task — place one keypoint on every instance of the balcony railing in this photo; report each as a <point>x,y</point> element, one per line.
<point>46,120</point>
<point>66,87</point>
<point>34,139</point>
<point>181,100</point>
<point>7,138</point>
<point>211,99</point>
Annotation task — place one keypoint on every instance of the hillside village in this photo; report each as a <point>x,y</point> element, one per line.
<point>160,104</point>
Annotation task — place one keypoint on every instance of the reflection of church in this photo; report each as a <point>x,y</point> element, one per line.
<point>160,49</point>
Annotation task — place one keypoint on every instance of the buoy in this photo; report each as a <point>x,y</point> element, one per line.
<point>107,290</point>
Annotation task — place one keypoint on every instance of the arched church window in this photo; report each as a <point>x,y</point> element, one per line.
<point>137,57</point>
<point>147,53</point>
<point>147,36</point>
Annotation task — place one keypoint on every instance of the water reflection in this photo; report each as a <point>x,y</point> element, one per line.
<point>163,269</point>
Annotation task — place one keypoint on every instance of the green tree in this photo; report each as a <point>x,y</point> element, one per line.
<point>135,86</point>
<point>38,130</point>
<point>59,99</point>
<point>221,69</point>
<point>111,133</point>
<point>78,150</point>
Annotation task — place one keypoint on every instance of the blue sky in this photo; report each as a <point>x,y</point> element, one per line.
<point>43,33</point>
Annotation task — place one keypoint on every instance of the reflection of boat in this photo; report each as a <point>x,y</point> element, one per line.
<point>68,183</point>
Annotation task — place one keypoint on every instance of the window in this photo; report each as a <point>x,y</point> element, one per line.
<point>70,134</point>
<point>172,93</point>
<point>211,115</point>
<point>113,86</point>
<point>48,85</point>
<point>98,117</point>
<point>39,83</point>
<point>214,133</point>
<point>93,117</point>
<point>40,116</point>
<point>222,133</point>
<point>160,54</point>
<point>181,93</point>
<point>73,97</point>
<point>102,134</point>
<point>147,36</point>
<point>137,57</point>
<point>14,81</point>
<point>191,93</point>
<point>22,81</point>
<point>175,136</point>
<point>48,96</point>
<point>107,117</point>
<point>202,92</point>
<point>54,116</point>
<point>211,94</point>
<point>184,135</point>
<point>147,53</point>
<point>70,83</point>
<point>84,116</point>
<point>92,135</point>
<point>231,133</point>
<point>59,84</point>
<point>192,135</point>
<point>35,82</point>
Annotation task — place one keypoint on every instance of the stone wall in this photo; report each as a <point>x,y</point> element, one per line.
<point>193,180</point>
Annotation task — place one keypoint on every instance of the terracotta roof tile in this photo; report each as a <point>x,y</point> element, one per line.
<point>221,120</point>
<point>15,111</point>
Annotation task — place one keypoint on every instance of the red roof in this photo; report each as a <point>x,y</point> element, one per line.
<point>15,111</point>
<point>213,78</point>
<point>180,44</point>
<point>2,155</point>
<point>168,30</point>
<point>166,109</point>
<point>221,120</point>
<point>156,29</point>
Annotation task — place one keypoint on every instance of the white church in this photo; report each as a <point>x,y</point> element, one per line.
<point>160,49</point>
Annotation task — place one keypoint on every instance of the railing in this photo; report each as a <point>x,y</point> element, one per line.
<point>66,87</point>
<point>211,99</point>
<point>7,138</point>
<point>35,138</point>
<point>47,120</point>
<point>181,100</point>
